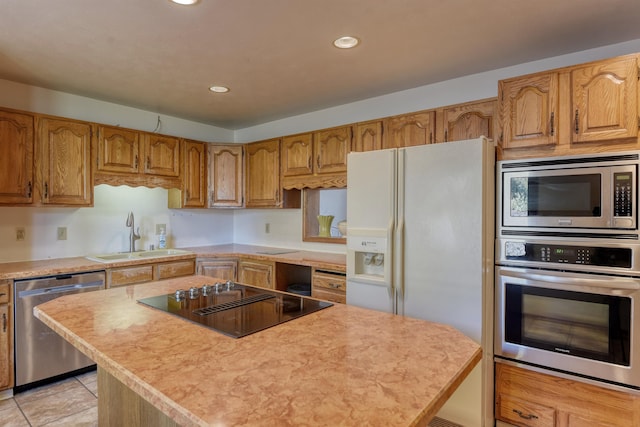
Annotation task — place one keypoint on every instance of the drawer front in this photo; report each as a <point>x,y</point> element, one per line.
<point>329,295</point>
<point>131,275</point>
<point>523,413</point>
<point>4,292</point>
<point>176,269</point>
<point>333,282</point>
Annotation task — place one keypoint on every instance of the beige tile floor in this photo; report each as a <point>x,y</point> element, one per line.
<point>70,402</point>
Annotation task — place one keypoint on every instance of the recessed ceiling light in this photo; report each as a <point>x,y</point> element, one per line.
<point>185,2</point>
<point>219,89</point>
<point>346,42</point>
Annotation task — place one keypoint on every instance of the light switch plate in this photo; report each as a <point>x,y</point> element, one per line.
<point>20,234</point>
<point>62,233</point>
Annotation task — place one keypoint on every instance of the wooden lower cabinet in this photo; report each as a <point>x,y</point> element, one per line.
<point>329,286</point>
<point>141,273</point>
<point>225,269</point>
<point>256,273</point>
<point>531,399</point>
<point>6,336</point>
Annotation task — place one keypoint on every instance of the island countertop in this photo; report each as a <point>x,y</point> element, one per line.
<point>342,365</point>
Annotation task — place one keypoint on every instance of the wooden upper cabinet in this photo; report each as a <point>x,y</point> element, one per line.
<point>194,175</point>
<point>118,150</point>
<point>64,162</point>
<point>529,110</point>
<point>367,136</point>
<point>262,166</point>
<point>161,155</point>
<point>605,100</point>
<point>16,157</point>
<point>409,129</point>
<point>297,155</point>
<point>331,147</point>
<point>226,176</point>
<point>466,121</point>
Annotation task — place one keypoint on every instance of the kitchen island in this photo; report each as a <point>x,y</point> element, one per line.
<point>342,365</point>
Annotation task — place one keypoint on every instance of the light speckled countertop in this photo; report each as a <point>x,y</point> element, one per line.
<point>50,267</point>
<point>340,366</point>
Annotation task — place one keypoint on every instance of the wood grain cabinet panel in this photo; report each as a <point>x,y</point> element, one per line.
<point>193,193</point>
<point>409,129</point>
<point>263,174</point>
<point>6,335</point>
<point>297,154</point>
<point>256,273</point>
<point>64,162</point>
<point>367,136</point>
<point>605,101</point>
<point>161,155</point>
<point>466,121</point>
<point>531,399</point>
<point>118,150</point>
<point>167,270</point>
<point>225,269</point>
<point>131,275</point>
<point>529,110</point>
<point>329,286</point>
<point>331,147</point>
<point>226,172</point>
<point>17,139</point>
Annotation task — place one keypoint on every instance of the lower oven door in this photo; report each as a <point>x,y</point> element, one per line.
<point>577,323</point>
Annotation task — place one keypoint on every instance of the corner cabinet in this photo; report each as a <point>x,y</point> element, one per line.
<point>575,110</point>
<point>6,336</point>
<point>226,172</point>
<point>193,193</point>
<point>262,167</point>
<point>530,399</point>
<point>17,139</point>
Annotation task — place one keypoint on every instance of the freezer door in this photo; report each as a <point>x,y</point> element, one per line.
<point>371,210</point>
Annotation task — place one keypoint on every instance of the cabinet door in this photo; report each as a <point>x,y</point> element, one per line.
<point>194,179</point>
<point>367,136</point>
<point>256,273</point>
<point>166,270</point>
<point>331,147</point>
<point>225,176</point>
<point>161,155</point>
<point>466,121</point>
<point>297,155</point>
<point>65,162</point>
<point>529,110</point>
<point>605,101</point>
<point>263,174</point>
<point>5,347</point>
<point>16,158</point>
<point>118,150</point>
<point>409,129</point>
<point>220,269</point>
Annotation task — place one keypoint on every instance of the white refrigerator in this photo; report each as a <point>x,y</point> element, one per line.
<point>420,236</point>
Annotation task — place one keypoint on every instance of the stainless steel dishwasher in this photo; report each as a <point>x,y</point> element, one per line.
<point>40,353</point>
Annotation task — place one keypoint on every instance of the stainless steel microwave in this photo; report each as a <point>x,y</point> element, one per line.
<point>594,192</point>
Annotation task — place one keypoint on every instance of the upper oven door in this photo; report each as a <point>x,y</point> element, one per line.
<point>570,197</point>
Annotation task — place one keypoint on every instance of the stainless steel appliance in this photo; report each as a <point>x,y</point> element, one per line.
<point>40,353</point>
<point>233,309</point>
<point>567,276</point>
<point>595,193</point>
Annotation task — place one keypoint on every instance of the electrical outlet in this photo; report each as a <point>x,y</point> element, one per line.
<point>62,233</point>
<point>160,227</point>
<point>267,228</point>
<point>20,234</point>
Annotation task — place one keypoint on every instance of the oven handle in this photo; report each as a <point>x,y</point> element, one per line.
<point>611,283</point>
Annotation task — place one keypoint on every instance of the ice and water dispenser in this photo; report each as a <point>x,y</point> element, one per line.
<point>369,256</point>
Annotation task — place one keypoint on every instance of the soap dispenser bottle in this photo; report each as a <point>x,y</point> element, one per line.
<point>162,239</point>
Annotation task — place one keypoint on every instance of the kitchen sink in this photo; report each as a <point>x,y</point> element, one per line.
<point>127,256</point>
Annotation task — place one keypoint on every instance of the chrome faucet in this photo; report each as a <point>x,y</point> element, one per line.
<point>133,236</point>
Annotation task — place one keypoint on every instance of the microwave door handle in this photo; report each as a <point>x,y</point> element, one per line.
<point>610,283</point>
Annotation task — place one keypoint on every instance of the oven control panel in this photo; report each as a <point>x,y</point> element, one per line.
<point>566,254</point>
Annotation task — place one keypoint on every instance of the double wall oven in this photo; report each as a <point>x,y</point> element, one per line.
<point>568,266</point>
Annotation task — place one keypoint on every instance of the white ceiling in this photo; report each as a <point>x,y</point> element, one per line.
<point>277,55</point>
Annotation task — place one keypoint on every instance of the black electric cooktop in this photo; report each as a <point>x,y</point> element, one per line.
<point>233,309</point>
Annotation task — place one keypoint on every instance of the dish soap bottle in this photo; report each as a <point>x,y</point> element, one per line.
<point>162,240</point>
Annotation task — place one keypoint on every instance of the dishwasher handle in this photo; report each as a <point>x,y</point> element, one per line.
<point>54,290</point>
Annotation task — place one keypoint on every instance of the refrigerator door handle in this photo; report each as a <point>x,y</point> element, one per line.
<point>398,265</point>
